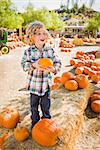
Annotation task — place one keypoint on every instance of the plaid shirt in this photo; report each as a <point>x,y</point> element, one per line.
<point>39,81</point>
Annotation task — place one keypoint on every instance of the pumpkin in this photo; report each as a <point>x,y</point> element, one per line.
<point>21,133</point>
<point>80,63</point>
<point>45,132</point>
<point>79,70</point>
<point>57,80</point>
<point>66,76</point>
<point>3,138</point>
<point>82,80</point>
<point>45,62</point>
<point>72,62</point>
<point>71,85</point>
<point>9,118</point>
<point>91,73</point>
<point>95,106</point>
<point>96,92</point>
<point>94,68</point>
<point>95,78</point>
<point>54,86</point>
<point>86,70</point>
<point>95,96</point>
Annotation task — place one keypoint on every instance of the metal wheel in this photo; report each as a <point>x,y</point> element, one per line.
<point>5,50</point>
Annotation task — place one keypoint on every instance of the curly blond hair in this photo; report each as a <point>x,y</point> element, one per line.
<point>32,27</point>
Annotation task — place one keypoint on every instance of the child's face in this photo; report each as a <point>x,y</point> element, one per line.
<point>40,37</point>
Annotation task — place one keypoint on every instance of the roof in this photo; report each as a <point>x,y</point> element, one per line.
<point>75,27</point>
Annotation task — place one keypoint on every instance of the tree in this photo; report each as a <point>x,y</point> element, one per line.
<point>50,19</point>
<point>93,23</point>
<point>8,17</point>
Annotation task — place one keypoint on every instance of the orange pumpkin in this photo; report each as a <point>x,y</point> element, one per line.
<point>79,70</point>
<point>54,86</point>
<point>57,80</point>
<point>80,63</point>
<point>95,96</point>
<point>46,132</point>
<point>96,92</point>
<point>91,73</point>
<point>94,68</point>
<point>95,78</point>
<point>82,80</point>
<point>72,62</point>
<point>71,85</point>
<point>2,140</point>
<point>66,76</point>
<point>95,105</point>
<point>21,133</point>
<point>9,118</point>
<point>86,70</point>
<point>45,62</point>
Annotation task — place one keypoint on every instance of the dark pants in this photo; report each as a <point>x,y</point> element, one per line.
<point>44,102</point>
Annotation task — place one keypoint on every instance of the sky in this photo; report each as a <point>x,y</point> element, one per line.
<point>51,4</point>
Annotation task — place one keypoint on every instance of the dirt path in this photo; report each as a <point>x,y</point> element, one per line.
<point>12,76</point>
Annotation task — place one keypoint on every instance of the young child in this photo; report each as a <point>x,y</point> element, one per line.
<point>39,79</point>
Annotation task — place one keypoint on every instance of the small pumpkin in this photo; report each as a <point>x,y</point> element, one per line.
<point>21,133</point>
<point>57,80</point>
<point>45,132</point>
<point>66,76</point>
<point>95,78</point>
<point>79,70</point>
<point>72,62</point>
<point>95,96</point>
<point>82,80</point>
<point>80,63</point>
<point>71,85</point>
<point>86,70</point>
<point>45,62</point>
<point>3,138</point>
<point>54,86</point>
<point>9,118</point>
<point>95,106</point>
<point>96,92</point>
<point>91,73</point>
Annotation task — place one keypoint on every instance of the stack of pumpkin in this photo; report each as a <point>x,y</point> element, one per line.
<point>86,65</point>
<point>71,82</point>
<point>64,43</point>
<point>95,101</point>
<point>78,41</point>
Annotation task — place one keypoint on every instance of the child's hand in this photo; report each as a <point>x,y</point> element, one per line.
<point>36,65</point>
<point>50,69</point>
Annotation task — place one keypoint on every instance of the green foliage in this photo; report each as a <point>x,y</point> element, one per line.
<point>93,23</point>
<point>50,19</point>
<point>8,17</point>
